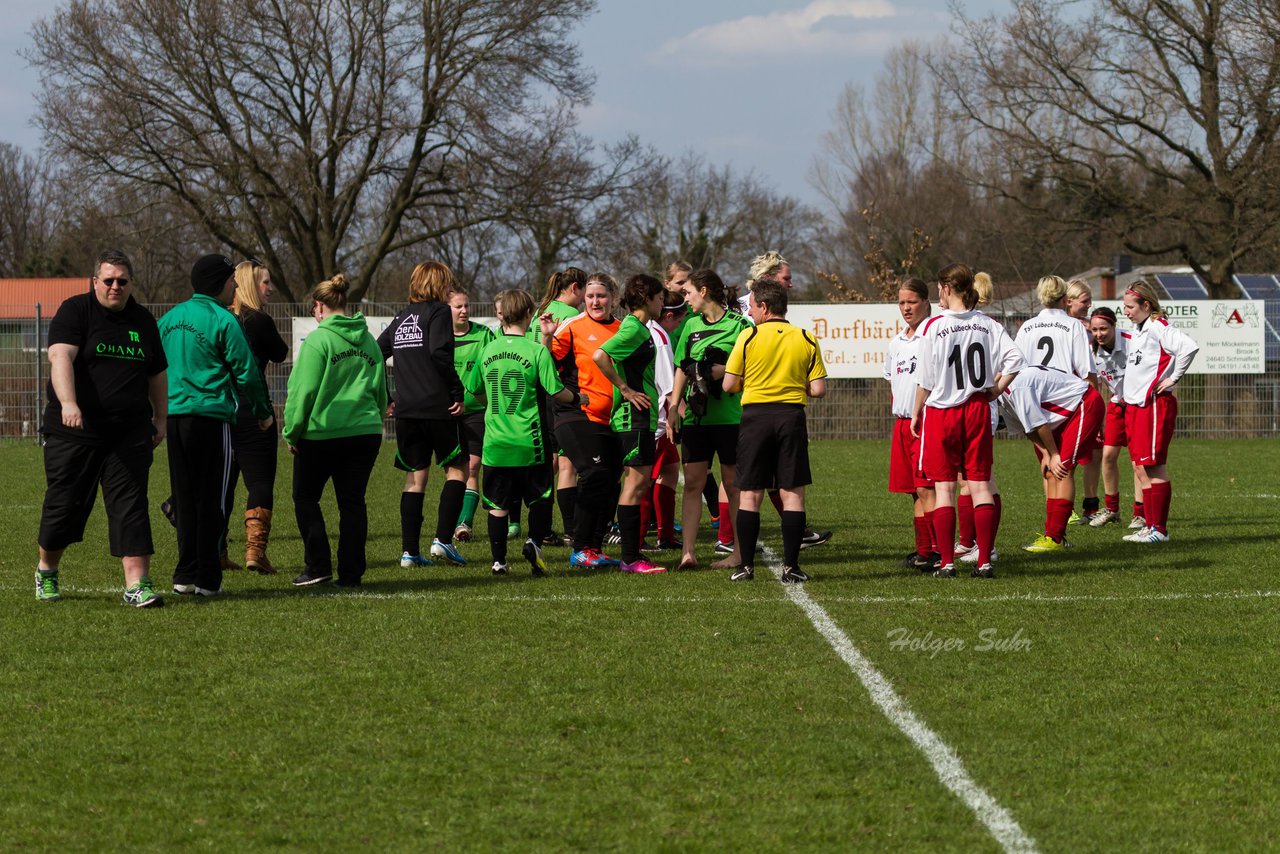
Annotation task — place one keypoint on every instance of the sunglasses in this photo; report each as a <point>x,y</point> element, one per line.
<point>114,283</point>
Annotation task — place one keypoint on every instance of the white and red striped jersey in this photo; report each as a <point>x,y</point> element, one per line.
<point>1109,365</point>
<point>960,354</point>
<point>664,372</point>
<point>1055,339</point>
<point>1158,351</point>
<point>902,370</point>
<point>1040,395</point>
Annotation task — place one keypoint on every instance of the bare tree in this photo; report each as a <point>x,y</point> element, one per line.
<point>306,132</point>
<point>30,216</point>
<point>1156,119</point>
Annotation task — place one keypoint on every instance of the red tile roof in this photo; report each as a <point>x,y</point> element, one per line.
<point>18,297</point>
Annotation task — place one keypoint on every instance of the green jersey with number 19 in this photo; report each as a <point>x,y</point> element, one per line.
<point>515,375</point>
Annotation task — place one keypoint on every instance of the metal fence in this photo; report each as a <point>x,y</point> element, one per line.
<point>1210,406</point>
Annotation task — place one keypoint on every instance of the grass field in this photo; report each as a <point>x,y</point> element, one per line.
<point>1118,697</point>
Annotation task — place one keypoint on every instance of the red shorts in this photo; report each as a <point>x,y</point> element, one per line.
<point>1150,430</point>
<point>1077,435</point>
<point>904,454</point>
<point>1113,432</point>
<point>956,442</point>
<point>666,452</point>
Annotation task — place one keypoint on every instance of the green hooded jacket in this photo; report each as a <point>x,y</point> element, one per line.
<point>210,362</point>
<point>338,386</point>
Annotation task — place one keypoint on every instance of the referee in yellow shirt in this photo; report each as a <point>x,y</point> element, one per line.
<point>777,367</point>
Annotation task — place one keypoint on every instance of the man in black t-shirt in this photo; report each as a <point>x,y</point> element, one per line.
<point>107,404</point>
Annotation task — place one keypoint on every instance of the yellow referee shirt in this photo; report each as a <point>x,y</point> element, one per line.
<point>776,362</point>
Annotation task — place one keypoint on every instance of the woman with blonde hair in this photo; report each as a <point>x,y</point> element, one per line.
<point>1159,356</point>
<point>254,449</point>
<point>333,426</point>
<point>428,407</point>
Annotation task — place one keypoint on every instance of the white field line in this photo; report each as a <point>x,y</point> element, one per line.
<point>451,595</point>
<point>946,764</point>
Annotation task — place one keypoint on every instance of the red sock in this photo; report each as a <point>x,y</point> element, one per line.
<point>726,524</point>
<point>646,511</point>
<point>964,512</point>
<point>924,535</point>
<point>933,539</point>
<point>775,497</point>
<point>1113,502</point>
<point>984,523</point>
<point>999,505</point>
<point>1159,496</point>
<point>1139,509</point>
<point>664,510</point>
<point>944,523</point>
<point>1057,512</point>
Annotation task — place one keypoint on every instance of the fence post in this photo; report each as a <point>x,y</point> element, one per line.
<point>39,376</point>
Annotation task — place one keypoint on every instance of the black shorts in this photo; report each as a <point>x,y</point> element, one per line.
<point>773,447</point>
<point>701,442</point>
<point>589,446</point>
<point>417,439</point>
<point>74,471</point>
<point>473,432</point>
<point>505,487</point>
<point>639,448</point>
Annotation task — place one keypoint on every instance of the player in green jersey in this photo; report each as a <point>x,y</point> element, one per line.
<point>627,361</point>
<point>468,340</point>
<point>561,301</point>
<point>512,377</point>
<point>709,427</point>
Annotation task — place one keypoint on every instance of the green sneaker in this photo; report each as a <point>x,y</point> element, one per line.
<point>47,586</point>
<point>513,531</point>
<point>142,595</point>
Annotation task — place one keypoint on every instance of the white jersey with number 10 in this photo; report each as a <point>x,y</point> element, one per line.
<point>960,354</point>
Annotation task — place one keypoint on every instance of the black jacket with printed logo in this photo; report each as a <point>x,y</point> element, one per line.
<point>420,339</point>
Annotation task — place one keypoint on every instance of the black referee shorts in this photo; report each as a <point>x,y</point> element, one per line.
<point>418,439</point>
<point>701,443</point>
<point>773,447</point>
<point>74,471</point>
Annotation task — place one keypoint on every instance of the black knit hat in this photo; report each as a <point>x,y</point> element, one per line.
<point>210,274</point>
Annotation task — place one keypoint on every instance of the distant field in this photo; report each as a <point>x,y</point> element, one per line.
<point>1116,697</point>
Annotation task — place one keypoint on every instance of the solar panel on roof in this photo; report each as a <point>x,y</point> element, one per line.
<point>1271,313</point>
<point>1258,287</point>
<point>1181,286</point>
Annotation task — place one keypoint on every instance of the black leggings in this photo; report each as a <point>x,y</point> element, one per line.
<point>255,460</point>
<point>348,462</point>
<point>596,453</point>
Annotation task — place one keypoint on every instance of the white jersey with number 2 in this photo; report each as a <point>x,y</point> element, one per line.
<point>1055,339</point>
<point>960,354</point>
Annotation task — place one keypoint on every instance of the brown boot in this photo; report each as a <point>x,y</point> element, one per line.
<point>257,530</point>
<point>228,565</point>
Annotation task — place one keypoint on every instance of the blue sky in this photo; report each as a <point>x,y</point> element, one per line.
<point>751,83</point>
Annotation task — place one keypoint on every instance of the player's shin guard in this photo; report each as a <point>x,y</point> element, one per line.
<point>498,538</point>
<point>411,522</point>
<point>629,529</point>
<point>470,500</point>
<point>1057,513</point>
<point>984,523</point>
<point>964,514</point>
<point>793,522</point>
<point>1159,497</point>
<point>944,534</point>
<point>450,509</point>
<point>1112,502</point>
<point>725,531</point>
<point>748,535</point>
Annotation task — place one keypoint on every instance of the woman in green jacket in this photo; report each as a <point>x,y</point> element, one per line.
<point>333,425</point>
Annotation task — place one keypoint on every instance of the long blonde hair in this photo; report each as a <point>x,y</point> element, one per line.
<point>246,293</point>
<point>1146,292</point>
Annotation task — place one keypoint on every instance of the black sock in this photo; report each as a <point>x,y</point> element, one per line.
<point>450,509</point>
<point>411,522</point>
<point>567,498</point>
<point>629,528</point>
<point>498,537</point>
<point>711,494</point>
<point>1091,505</point>
<point>540,520</point>
<point>513,513</point>
<point>747,528</point>
<point>793,522</point>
